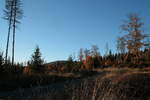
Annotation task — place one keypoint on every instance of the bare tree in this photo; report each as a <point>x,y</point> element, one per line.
<point>12,13</point>
<point>107,49</point>
<point>8,12</point>
<point>81,54</point>
<point>134,38</point>
<point>95,51</point>
<point>17,16</point>
<point>121,44</point>
<point>86,53</point>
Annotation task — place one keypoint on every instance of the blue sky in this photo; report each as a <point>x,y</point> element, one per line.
<point>62,27</point>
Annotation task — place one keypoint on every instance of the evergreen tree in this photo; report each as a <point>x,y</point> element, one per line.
<point>1,62</point>
<point>36,61</point>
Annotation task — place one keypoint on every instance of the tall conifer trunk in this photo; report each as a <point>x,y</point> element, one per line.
<point>9,26</point>
<point>14,32</point>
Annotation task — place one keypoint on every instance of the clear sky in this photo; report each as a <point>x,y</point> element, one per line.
<point>62,27</point>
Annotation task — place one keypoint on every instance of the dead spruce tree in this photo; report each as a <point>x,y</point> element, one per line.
<point>17,16</point>
<point>8,15</point>
<point>13,14</point>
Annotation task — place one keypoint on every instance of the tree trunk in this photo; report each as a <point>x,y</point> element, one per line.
<point>7,45</point>
<point>14,31</point>
<point>8,37</point>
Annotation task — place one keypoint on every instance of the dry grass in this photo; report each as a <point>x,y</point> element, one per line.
<point>117,84</point>
<point>64,74</point>
<point>110,84</point>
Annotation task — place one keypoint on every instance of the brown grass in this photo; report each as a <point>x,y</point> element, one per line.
<point>116,84</point>
<point>110,84</point>
<point>65,74</point>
